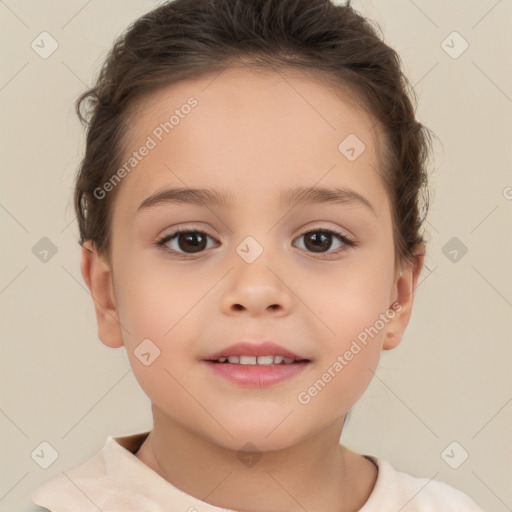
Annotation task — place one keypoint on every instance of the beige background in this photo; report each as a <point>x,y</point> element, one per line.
<point>449,380</point>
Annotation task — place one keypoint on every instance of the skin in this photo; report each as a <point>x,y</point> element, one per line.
<point>254,133</point>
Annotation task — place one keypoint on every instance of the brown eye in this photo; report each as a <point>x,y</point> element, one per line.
<point>318,241</point>
<point>321,240</point>
<point>185,241</point>
<point>192,242</point>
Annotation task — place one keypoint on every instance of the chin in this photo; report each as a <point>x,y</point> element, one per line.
<point>260,436</point>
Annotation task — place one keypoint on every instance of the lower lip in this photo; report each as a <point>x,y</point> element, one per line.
<point>257,376</point>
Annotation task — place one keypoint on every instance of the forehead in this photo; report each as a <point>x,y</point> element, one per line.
<point>251,130</point>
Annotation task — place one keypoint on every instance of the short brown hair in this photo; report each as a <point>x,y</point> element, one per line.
<point>184,39</point>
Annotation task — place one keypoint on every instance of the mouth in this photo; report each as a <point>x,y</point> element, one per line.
<point>266,360</point>
<point>250,365</point>
<point>262,353</point>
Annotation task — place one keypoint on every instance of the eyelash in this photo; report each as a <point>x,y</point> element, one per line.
<point>162,241</point>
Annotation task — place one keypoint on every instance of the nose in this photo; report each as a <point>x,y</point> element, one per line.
<point>256,289</point>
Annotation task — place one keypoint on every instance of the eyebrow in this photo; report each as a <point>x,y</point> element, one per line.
<point>296,196</point>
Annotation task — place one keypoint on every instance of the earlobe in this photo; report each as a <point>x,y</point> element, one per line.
<point>97,275</point>
<point>405,288</point>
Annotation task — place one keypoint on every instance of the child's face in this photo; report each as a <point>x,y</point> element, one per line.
<point>254,136</point>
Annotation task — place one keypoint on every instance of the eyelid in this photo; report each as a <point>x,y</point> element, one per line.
<point>316,225</point>
<point>347,240</point>
<point>176,231</point>
<point>325,226</point>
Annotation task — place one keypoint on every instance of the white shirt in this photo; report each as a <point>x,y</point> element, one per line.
<point>115,480</point>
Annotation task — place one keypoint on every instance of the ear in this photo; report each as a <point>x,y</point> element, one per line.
<point>97,275</point>
<point>404,289</point>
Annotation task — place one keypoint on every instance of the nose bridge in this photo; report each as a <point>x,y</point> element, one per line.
<point>254,283</point>
<point>256,233</point>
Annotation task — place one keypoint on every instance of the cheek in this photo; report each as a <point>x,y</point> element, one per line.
<point>160,318</point>
<point>163,312</point>
<point>353,308</point>
<point>357,298</point>
<point>158,299</point>
<point>346,365</point>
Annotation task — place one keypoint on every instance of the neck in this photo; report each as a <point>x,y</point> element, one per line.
<point>311,475</point>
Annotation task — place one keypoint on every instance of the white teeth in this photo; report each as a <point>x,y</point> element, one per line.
<point>253,360</point>
<point>248,359</point>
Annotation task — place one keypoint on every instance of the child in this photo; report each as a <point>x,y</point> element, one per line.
<point>279,137</point>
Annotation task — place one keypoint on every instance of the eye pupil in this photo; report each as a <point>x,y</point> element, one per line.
<point>321,240</point>
<point>190,244</point>
<point>190,241</point>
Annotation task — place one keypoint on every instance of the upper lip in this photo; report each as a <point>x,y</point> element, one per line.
<point>263,348</point>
